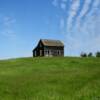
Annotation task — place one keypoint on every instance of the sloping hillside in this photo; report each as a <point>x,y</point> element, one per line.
<point>50,79</point>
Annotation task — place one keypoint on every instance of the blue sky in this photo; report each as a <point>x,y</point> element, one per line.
<point>24,22</point>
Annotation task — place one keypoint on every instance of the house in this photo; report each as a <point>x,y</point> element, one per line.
<point>48,47</point>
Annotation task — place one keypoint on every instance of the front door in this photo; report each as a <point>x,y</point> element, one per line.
<point>40,52</point>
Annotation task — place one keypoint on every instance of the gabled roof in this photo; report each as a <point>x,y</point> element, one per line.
<point>48,42</point>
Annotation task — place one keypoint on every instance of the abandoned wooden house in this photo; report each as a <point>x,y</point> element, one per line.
<point>50,48</point>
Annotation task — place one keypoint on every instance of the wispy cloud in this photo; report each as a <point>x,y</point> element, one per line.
<point>8,21</point>
<point>62,24</point>
<point>77,9</point>
<point>96,7</point>
<point>82,25</point>
<point>8,27</point>
<point>9,33</point>
<point>89,8</point>
<point>73,11</point>
<point>85,8</point>
<point>55,3</point>
<point>63,5</point>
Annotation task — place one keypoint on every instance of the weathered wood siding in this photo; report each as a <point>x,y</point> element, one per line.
<point>42,50</point>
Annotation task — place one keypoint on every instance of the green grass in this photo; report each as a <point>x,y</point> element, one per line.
<point>50,79</point>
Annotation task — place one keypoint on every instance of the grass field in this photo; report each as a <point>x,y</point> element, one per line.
<point>50,79</point>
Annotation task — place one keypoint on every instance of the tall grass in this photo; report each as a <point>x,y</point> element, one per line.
<point>50,79</point>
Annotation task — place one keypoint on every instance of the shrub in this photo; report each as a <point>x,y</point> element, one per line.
<point>83,54</point>
<point>98,54</point>
<point>90,54</point>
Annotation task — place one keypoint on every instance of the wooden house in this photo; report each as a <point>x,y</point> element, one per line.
<point>50,48</point>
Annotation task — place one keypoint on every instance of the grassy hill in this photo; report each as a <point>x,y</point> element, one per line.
<point>50,79</point>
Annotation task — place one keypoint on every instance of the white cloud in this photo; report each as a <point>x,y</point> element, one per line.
<point>96,3</point>
<point>8,21</point>
<point>9,33</point>
<point>95,6</point>
<point>81,37</point>
<point>62,23</point>
<point>73,12</point>
<point>55,3</point>
<point>63,6</point>
<point>84,38</point>
<point>85,8</point>
<point>8,27</point>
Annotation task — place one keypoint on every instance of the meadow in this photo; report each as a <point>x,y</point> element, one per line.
<point>62,78</point>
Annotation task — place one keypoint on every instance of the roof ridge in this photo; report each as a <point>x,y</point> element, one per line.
<point>50,39</point>
<point>52,42</point>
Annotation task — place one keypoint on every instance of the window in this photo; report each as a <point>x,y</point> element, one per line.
<point>46,52</point>
<point>35,54</point>
<point>40,52</point>
<point>58,52</point>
